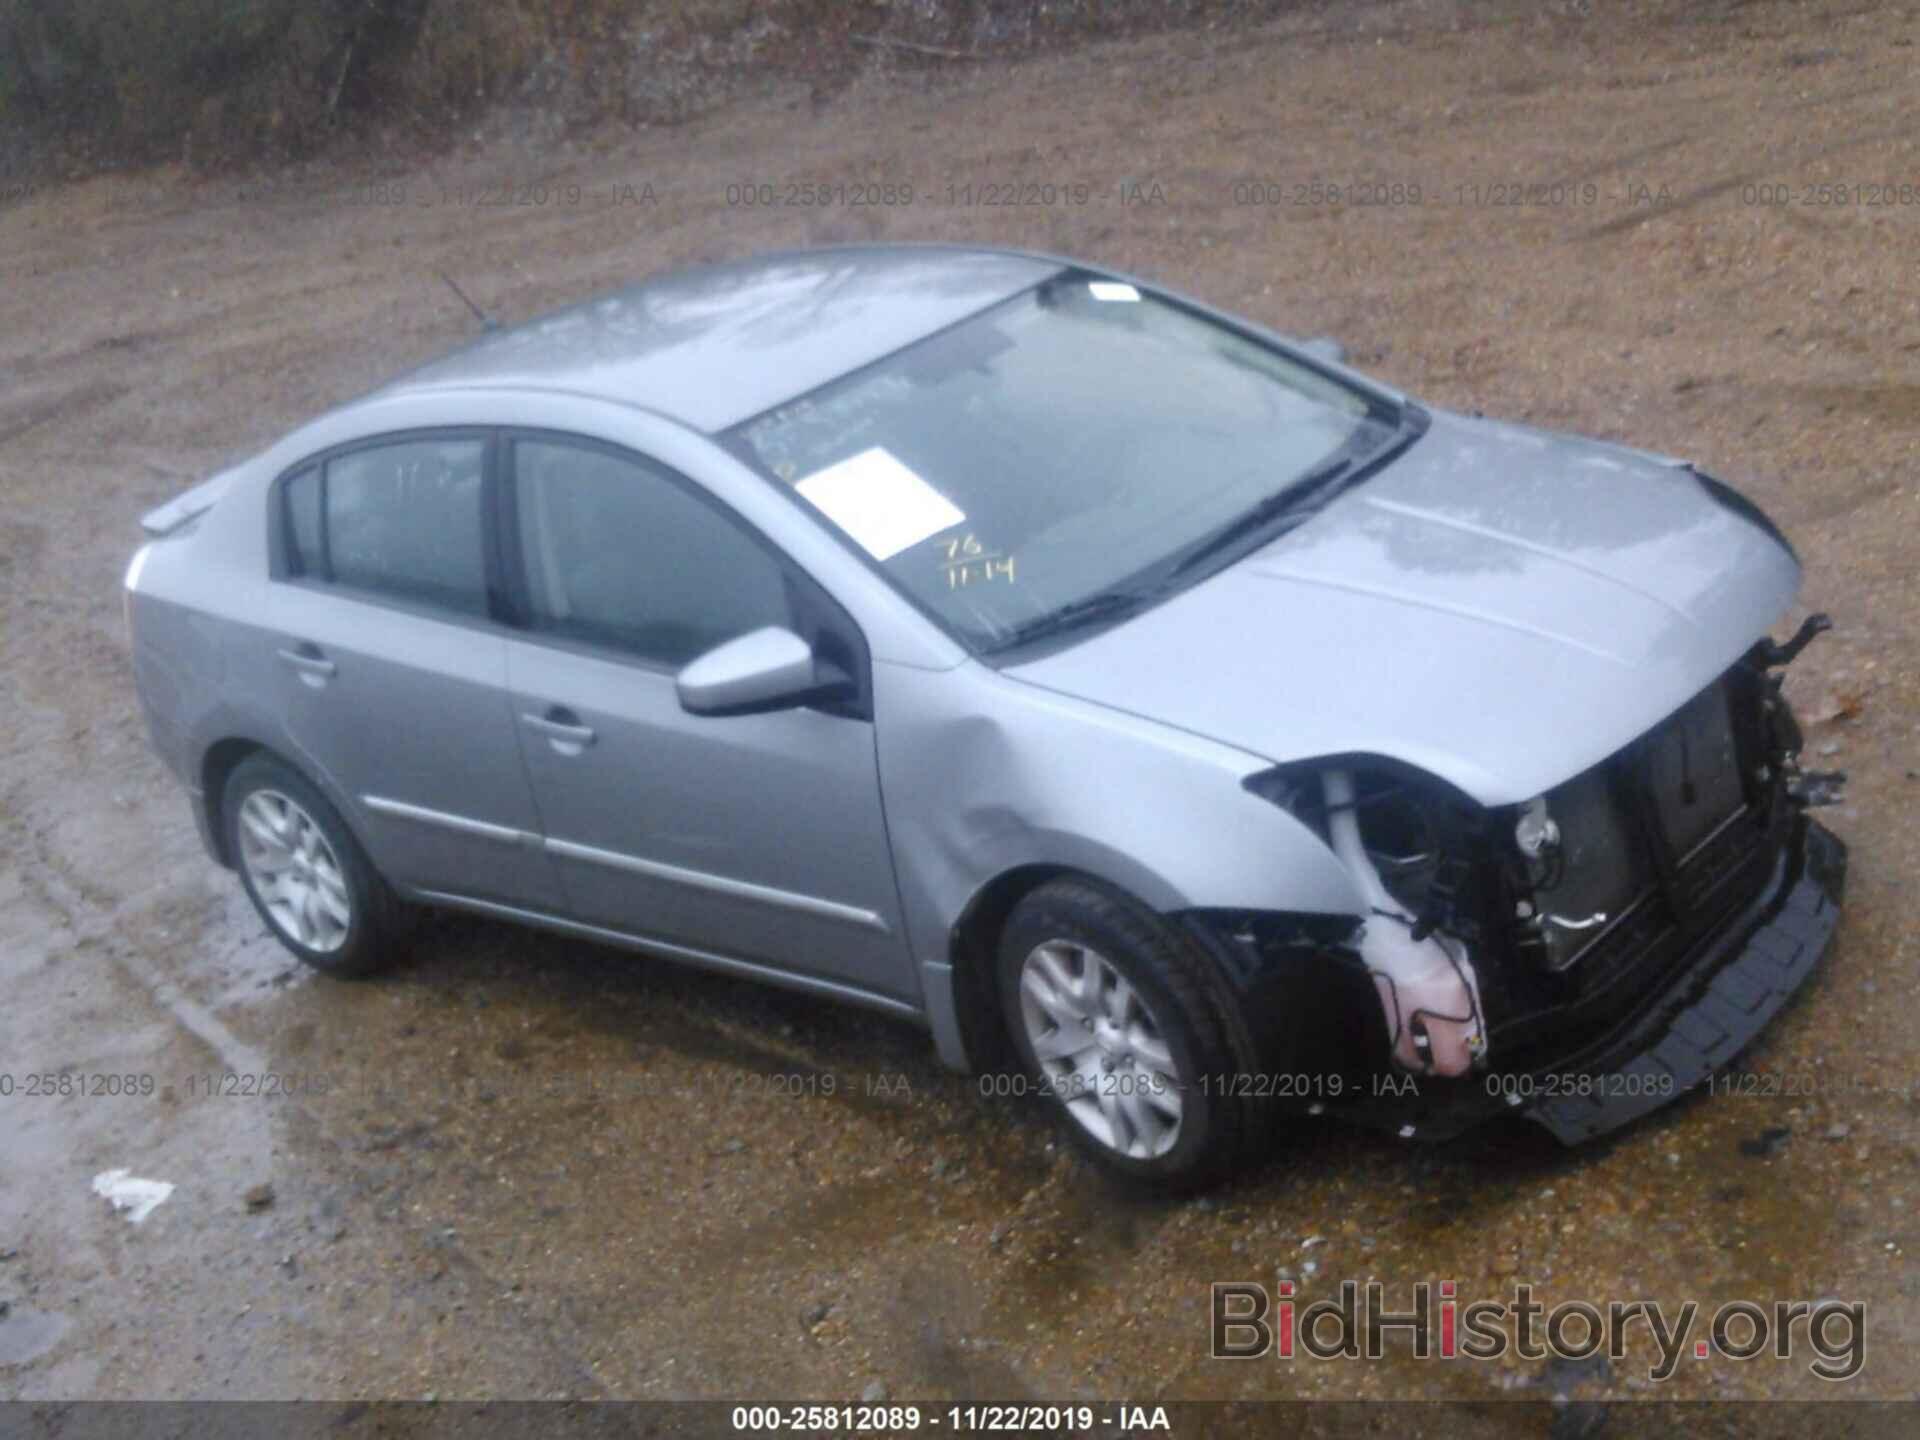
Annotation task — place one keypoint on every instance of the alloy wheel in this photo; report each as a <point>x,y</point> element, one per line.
<point>1102,1051</point>
<point>294,871</point>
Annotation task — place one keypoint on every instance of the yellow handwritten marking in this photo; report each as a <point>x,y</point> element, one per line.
<point>984,568</point>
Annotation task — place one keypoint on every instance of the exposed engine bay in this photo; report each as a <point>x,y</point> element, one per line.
<point>1495,936</point>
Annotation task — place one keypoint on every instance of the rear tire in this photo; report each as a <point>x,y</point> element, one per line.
<point>304,871</point>
<point>1115,1017</point>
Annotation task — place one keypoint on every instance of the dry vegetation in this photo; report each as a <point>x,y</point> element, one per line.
<point>87,84</point>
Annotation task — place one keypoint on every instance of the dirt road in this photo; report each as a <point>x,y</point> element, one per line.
<point>523,1166</point>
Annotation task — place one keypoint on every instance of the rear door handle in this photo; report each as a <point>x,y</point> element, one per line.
<point>562,728</point>
<point>315,669</point>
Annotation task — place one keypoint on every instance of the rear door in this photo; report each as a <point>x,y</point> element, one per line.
<point>756,837</point>
<point>391,667</point>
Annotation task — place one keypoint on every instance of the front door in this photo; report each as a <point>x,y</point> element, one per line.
<point>755,837</point>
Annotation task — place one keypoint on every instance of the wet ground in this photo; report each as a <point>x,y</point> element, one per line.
<point>523,1166</point>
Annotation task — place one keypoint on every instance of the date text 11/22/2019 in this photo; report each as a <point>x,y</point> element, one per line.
<point>1004,1419</point>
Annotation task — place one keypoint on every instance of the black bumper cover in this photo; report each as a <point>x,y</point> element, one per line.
<point>1723,1001</point>
<point>1705,1015</point>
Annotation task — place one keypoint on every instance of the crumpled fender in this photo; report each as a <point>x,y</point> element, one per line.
<point>982,775</point>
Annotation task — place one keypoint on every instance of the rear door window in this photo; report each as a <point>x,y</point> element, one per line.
<point>402,520</point>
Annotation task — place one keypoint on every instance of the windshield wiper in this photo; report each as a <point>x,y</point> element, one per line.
<point>1295,499</point>
<point>1299,500</point>
<point>1088,610</point>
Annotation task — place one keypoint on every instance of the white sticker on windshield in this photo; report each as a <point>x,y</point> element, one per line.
<point>880,502</point>
<point>1111,290</point>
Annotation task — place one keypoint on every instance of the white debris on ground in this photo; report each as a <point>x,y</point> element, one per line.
<point>123,1190</point>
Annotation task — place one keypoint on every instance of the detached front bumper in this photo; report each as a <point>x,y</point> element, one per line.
<point>1707,1012</point>
<point>1719,1004</point>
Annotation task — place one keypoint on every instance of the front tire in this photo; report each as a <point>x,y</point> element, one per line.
<point>304,871</point>
<point>1114,1018</point>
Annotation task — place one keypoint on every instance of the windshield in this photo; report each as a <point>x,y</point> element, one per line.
<point>1015,471</point>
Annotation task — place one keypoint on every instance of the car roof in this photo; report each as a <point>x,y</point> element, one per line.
<point>717,344</point>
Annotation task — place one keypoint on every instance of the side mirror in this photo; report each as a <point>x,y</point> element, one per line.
<point>766,669</point>
<point>1325,347</point>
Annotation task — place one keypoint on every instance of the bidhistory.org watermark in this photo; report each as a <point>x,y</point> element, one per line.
<point>1433,1322</point>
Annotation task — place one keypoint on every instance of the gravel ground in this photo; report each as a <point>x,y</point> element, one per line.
<point>524,1166</point>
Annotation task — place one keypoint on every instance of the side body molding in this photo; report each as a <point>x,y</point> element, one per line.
<point>618,860</point>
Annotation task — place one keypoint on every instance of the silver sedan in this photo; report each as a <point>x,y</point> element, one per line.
<point>1182,727</point>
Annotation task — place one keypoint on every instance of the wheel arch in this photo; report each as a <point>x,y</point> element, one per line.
<point>220,758</point>
<point>219,762</point>
<point>976,934</point>
<point>1237,980</point>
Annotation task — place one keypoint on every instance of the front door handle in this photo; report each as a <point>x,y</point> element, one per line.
<point>562,728</point>
<point>315,669</point>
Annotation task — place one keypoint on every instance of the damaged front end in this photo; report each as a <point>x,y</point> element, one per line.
<point>1581,958</point>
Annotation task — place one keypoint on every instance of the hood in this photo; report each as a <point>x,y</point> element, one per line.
<point>1499,606</point>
